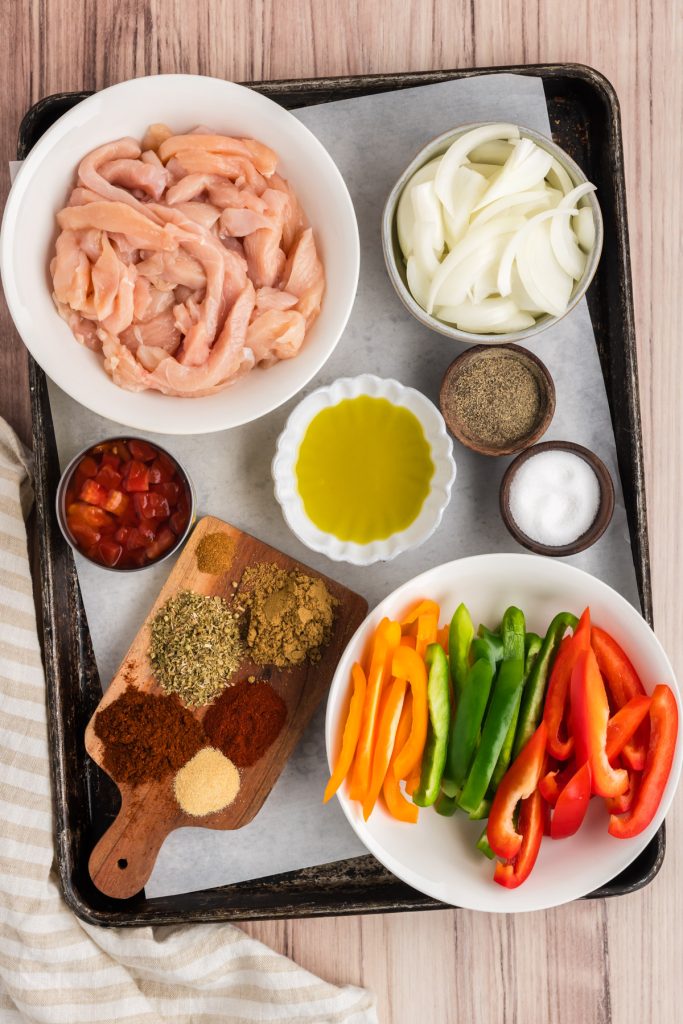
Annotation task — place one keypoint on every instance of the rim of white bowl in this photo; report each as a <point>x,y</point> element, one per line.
<point>391,249</point>
<point>55,135</point>
<point>284,469</point>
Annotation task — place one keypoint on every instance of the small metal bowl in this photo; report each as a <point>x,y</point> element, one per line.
<point>65,480</point>
<point>546,388</point>
<point>394,258</point>
<point>602,518</point>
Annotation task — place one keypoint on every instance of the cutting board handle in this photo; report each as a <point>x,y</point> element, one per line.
<point>123,859</point>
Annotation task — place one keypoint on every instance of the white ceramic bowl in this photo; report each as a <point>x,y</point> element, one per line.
<point>438,856</point>
<point>284,470</point>
<point>42,187</point>
<point>395,263</point>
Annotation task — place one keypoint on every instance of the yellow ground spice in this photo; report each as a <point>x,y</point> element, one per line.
<point>215,553</point>
<point>208,783</point>
<point>289,615</point>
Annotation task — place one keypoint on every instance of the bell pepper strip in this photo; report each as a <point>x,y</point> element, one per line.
<point>421,608</point>
<point>439,704</point>
<point>519,782</point>
<point>407,664</point>
<point>553,782</point>
<point>442,637</point>
<point>482,811</point>
<point>460,636</point>
<point>556,707</point>
<point>427,631</point>
<point>445,805</point>
<point>623,725</point>
<point>386,640</point>
<point>483,846</point>
<point>513,631</point>
<point>494,639</point>
<point>624,802</point>
<point>531,653</point>
<point>483,649</point>
<point>396,803</point>
<point>531,826</point>
<point>496,724</point>
<point>466,725</point>
<point>623,683</point>
<point>533,695</point>
<point>660,755</point>
<point>388,718</point>
<point>589,719</point>
<point>352,727</point>
<point>572,804</point>
<point>413,781</point>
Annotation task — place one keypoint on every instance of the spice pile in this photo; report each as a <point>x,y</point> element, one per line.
<point>214,553</point>
<point>146,736</point>
<point>290,615</point>
<point>195,647</point>
<point>207,784</point>
<point>245,721</point>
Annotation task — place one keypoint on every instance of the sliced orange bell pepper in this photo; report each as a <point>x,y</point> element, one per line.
<point>427,628</point>
<point>442,637</point>
<point>352,728</point>
<point>397,805</point>
<point>386,640</point>
<point>413,780</point>
<point>421,608</point>
<point>388,718</point>
<point>407,664</point>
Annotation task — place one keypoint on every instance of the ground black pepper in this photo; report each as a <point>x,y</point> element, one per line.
<point>495,399</point>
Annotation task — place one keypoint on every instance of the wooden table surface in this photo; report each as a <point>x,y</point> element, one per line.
<point>615,961</point>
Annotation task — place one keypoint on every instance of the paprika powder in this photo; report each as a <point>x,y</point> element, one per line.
<point>245,720</point>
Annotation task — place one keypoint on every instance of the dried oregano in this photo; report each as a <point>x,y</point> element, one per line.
<point>195,647</point>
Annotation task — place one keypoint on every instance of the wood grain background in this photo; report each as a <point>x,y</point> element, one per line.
<point>593,963</point>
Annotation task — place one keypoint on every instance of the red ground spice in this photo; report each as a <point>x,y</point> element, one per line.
<point>245,720</point>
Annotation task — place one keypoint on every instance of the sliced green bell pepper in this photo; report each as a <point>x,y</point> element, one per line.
<point>494,639</point>
<point>482,810</point>
<point>532,647</point>
<point>439,703</point>
<point>512,631</point>
<point>467,724</point>
<point>483,846</point>
<point>533,695</point>
<point>460,636</point>
<point>445,805</point>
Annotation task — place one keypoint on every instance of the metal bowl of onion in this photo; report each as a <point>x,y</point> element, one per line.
<point>491,234</point>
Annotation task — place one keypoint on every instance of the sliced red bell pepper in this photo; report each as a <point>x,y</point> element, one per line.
<point>660,755</point>
<point>531,824</point>
<point>572,804</point>
<point>623,803</point>
<point>518,783</point>
<point>624,724</point>
<point>553,782</point>
<point>623,683</point>
<point>589,718</point>
<point>555,711</point>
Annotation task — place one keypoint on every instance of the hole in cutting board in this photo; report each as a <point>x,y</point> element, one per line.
<point>122,863</point>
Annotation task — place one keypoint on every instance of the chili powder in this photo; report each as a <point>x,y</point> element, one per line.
<point>146,736</point>
<point>245,720</point>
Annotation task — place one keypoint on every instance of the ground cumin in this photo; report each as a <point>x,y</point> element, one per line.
<point>214,553</point>
<point>146,736</point>
<point>245,720</point>
<point>289,614</point>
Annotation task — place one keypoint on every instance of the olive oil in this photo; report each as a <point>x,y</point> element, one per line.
<point>364,469</point>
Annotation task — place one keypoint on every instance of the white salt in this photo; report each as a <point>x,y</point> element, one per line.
<point>554,497</point>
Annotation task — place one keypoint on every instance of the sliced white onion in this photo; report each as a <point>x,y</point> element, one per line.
<point>464,277</point>
<point>566,248</point>
<point>523,203</point>
<point>469,187</point>
<point>525,169</point>
<point>427,213</point>
<point>584,226</point>
<point>549,286</point>
<point>558,177</point>
<point>520,295</point>
<point>490,316</point>
<point>418,281</point>
<point>515,244</point>
<point>457,153</point>
<point>488,170</point>
<point>494,152</point>
<point>404,211</point>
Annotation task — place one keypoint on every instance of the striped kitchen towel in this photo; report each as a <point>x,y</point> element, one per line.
<point>53,967</point>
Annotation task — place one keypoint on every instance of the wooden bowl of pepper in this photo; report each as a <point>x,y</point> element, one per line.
<point>497,400</point>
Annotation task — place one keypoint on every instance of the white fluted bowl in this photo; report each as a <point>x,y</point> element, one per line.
<point>287,451</point>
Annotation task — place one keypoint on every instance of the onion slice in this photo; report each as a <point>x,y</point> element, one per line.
<point>525,168</point>
<point>514,245</point>
<point>584,226</point>
<point>490,316</point>
<point>566,248</point>
<point>549,286</point>
<point>405,217</point>
<point>457,153</point>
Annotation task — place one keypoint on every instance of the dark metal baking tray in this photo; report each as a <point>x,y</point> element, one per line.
<point>584,114</point>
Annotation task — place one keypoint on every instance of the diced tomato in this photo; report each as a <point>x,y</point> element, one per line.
<point>165,540</point>
<point>110,552</point>
<point>139,537</point>
<point>93,493</point>
<point>87,467</point>
<point>163,469</point>
<point>178,522</point>
<point>151,505</point>
<point>136,477</point>
<point>87,515</point>
<point>170,491</point>
<point>85,536</point>
<point>111,460</point>
<point>117,502</point>
<point>120,449</point>
<point>142,450</point>
<point>108,477</point>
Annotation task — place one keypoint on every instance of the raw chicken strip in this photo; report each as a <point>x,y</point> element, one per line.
<point>276,335</point>
<point>136,174</point>
<point>263,158</point>
<point>117,217</point>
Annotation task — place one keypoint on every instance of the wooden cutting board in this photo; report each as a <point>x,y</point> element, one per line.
<point>124,857</point>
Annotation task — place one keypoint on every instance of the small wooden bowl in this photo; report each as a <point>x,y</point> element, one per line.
<point>546,388</point>
<point>605,509</point>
